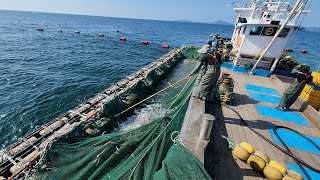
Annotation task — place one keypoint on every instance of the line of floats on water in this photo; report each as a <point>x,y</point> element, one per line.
<point>302,51</point>
<point>165,46</point>
<point>145,42</point>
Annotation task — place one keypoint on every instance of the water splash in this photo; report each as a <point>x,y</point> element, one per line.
<point>143,116</point>
<point>2,115</point>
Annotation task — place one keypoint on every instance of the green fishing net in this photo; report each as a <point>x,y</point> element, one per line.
<point>146,152</point>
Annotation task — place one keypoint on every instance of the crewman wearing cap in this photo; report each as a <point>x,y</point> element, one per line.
<point>294,90</point>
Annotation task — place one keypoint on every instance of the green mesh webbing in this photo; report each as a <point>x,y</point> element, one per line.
<point>140,153</point>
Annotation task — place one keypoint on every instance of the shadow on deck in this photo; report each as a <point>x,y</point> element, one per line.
<point>219,161</point>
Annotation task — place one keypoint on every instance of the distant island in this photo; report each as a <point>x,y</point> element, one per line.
<point>219,22</point>
<point>313,29</point>
<point>183,20</point>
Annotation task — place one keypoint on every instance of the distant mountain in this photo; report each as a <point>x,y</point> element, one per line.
<point>220,22</point>
<point>183,20</point>
<point>313,29</point>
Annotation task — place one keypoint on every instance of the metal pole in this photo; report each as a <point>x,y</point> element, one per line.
<point>254,10</point>
<point>276,35</point>
<point>274,65</point>
<point>206,126</point>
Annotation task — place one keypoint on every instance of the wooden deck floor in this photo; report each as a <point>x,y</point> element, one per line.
<point>219,160</point>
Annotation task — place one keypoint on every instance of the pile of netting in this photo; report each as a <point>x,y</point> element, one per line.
<point>151,151</point>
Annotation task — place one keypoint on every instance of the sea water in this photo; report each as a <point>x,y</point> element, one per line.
<point>44,74</point>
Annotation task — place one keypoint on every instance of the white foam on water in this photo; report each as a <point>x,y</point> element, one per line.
<point>2,115</point>
<point>143,116</point>
<point>151,112</point>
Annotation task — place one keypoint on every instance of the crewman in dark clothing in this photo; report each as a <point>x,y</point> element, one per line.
<point>209,42</point>
<point>294,90</point>
<point>211,61</point>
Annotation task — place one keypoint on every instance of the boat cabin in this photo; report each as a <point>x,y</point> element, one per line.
<point>256,25</point>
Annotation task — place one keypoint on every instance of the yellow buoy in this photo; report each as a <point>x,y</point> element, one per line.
<point>256,163</point>
<point>295,175</point>
<point>247,146</point>
<point>241,153</point>
<point>278,166</point>
<point>288,178</point>
<point>272,173</point>
<point>262,156</point>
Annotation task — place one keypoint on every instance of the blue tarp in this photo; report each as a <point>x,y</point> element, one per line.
<point>294,140</point>
<point>291,117</point>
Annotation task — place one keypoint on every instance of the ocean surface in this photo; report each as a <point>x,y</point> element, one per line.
<point>44,74</point>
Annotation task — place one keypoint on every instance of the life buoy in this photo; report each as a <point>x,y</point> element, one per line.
<point>145,42</point>
<point>165,46</point>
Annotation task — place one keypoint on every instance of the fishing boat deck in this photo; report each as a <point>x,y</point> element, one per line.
<point>219,161</point>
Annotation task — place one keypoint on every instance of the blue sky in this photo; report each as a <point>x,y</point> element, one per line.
<point>195,10</point>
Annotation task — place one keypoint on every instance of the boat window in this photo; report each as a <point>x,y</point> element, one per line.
<point>244,30</point>
<point>256,30</point>
<point>284,32</point>
<point>269,31</point>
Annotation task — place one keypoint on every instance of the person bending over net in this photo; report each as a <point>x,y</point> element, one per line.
<point>211,61</point>
<point>294,90</point>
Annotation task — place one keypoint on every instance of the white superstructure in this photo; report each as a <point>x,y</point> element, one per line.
<point>256,27</point>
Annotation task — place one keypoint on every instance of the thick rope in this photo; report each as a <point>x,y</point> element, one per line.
<point>180,92</point>
<point>6,156</point>
<point>151,96</point>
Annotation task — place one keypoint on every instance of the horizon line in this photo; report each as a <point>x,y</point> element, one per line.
<point>166,20</point>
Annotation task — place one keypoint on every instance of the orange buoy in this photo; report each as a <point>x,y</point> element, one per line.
<point>165,46</point>
<point>289,49</point>
<point>101,35</point>
<point>304,51</point>
<point>145,42</point>
<point>123,39</point>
